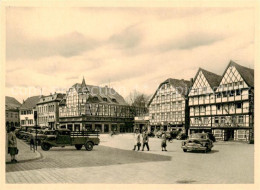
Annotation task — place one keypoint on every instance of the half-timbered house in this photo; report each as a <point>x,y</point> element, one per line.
<point>202,103</point>
<point>234,114</point>
<point>168,107</point>
<point>88,107</point>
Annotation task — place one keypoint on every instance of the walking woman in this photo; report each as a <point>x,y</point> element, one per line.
<point>137,137</point>
<point>164,142</point>
<point>12,145</point>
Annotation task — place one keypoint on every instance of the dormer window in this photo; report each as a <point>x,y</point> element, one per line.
<point>114,100</point>
<point>95,98</point>
<point>105,99</point>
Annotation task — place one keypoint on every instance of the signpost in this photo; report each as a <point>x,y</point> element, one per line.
<point>36,127</point>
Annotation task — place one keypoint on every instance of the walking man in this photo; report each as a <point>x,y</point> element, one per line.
<point>145,141</point>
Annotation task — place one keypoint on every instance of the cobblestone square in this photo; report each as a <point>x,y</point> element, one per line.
<point>114,161</point>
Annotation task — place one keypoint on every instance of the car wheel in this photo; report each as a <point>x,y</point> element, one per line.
<point>45,146</point>
<point>89,146</point>
<point>184,150</point>
<point>78,146</point>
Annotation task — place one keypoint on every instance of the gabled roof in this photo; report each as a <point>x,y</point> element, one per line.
<point>182,86</point>
<point>212,78</point>
<point>100,93</point>
<point>246,73</point>
<point>30,102</point>
<point>51,98</point>
<point>11,103</point>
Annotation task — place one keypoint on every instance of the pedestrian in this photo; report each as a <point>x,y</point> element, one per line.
<point>164,144</point>
<point>12,145</point>
<point>145,141</point>
<point>137,139</point>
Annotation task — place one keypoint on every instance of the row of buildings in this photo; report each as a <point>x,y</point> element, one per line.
<point>222,105</point>
<point>83,107</point>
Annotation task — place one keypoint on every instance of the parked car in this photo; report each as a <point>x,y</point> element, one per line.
<point>65,137</point>
<point>41,135</point>
<point>212,137</point>
<point>197,141</point>
<point>182,136</point>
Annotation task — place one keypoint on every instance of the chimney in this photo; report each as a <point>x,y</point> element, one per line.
<point>191,80</point>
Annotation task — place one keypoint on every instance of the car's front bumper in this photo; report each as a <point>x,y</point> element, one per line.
<point>191,148</point>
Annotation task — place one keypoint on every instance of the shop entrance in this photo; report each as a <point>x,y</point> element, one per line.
<point>228,134</point>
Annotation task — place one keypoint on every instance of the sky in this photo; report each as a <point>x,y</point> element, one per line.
<point>50,49</point>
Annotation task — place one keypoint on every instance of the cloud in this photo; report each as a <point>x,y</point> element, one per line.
<point>130,37</point>
<point>128,48</point>
<point>190,40</point>
<point>20,46</point>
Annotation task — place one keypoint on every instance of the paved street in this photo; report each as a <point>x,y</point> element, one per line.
<point>114,162</point>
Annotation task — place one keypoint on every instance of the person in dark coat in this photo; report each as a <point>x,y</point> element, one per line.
<point>12,144</point>
<point>145,140</point>
<point>164,144</point>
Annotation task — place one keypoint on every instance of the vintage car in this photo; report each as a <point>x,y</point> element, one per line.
<point>41,135</point>
<point>182,136</point>
<point>197,141</point>
<point>65,137</point>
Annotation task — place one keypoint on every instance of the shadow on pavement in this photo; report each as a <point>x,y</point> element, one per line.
<point>72,158</point>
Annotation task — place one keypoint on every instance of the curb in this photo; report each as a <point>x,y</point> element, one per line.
<point>38,154</point>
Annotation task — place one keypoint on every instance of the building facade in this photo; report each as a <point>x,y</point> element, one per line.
<point>234,115</point>
<point>48,110</point>
<point>202,103</point>
<point>168,107</point>
<point>12,107</point>
<point>223,105</point>
<point>27,112</point>
<point>87,107</point>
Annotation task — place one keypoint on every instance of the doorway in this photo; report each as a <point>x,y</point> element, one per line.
<point>229,134</point>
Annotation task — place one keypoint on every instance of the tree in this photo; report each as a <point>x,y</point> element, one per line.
<point>137,99</point>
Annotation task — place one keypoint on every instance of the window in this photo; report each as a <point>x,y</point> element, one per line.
<point>6,114</point>
<point>114,100</point>
<point>163,87</point>
<point>238,92</point>
<point>202,109</point>
<point>218,95</point>
<point>216,120</point>
<point>224,94</point>
<point>206,120</point>
<point>241,119</point>
<point>153,116</point>
<point>241,82</point>
<point>232,93</point>
<point>197,110</point>
<point>225,85</point>
<point>223,120</point>
<point>218,107</point>
<point>239,105</point>
<point>204,89</point>
<point>163,97</point>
